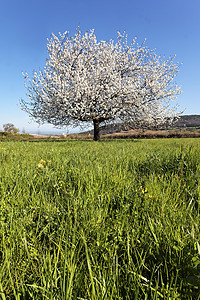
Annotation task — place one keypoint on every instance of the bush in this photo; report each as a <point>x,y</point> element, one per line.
<point>9,127</point>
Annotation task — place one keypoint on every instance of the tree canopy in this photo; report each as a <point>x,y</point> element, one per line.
<point>88,82</point>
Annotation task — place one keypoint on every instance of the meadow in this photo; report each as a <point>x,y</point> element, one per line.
<point>100,220</point>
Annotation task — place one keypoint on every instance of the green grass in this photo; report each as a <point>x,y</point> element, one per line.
<point>109,220</point>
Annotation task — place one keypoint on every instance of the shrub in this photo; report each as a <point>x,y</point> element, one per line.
<point>9,127</point>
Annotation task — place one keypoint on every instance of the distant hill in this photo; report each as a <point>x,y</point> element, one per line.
<point>188,126</point>
<point>183,122</point>
<point>188,121</point>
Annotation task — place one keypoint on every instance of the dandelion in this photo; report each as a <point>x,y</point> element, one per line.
<point>144,191</point>
<point>41,163</point>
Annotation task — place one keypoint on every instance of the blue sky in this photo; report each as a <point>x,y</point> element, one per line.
<point>170,26</point>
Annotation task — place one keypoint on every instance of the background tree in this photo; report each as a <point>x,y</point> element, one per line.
<point>88,82</point>
<point>9,127</point>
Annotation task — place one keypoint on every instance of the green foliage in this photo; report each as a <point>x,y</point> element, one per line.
<point>9,127</point>
<point>108,220</point>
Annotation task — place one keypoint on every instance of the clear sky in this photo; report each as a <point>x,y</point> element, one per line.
<point>170,26</point>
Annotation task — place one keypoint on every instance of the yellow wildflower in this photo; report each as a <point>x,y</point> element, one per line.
<point>41,163</point>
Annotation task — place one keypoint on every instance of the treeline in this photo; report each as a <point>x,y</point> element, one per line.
<point>184,121</point>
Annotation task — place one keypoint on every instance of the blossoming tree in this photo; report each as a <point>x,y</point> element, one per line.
<point>88,82</point>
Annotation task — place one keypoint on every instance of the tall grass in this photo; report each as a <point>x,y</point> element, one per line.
<point>108,220</point>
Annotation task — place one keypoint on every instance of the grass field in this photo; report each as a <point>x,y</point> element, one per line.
<point>110,220</point>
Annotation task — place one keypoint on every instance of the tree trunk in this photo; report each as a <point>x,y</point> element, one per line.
<point>96,130</point>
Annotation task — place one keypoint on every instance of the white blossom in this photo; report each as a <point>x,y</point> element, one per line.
<point>87,81</point>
